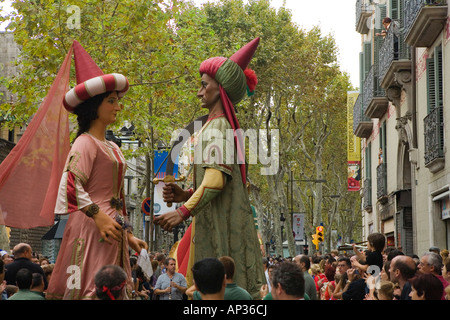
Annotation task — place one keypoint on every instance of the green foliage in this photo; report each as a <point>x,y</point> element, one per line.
<point>159,47</point>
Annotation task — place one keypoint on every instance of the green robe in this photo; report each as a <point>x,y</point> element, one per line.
<point>225,226</point>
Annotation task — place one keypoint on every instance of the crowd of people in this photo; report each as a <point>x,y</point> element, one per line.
<point>377,273</point>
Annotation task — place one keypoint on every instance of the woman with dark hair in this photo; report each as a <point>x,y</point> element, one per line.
<point>426,286</point>
<point>91,189</point>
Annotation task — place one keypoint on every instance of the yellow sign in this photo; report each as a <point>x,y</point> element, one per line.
<point>353,142</point>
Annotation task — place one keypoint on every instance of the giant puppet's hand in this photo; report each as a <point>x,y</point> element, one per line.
<point>168,220</point>
<point>212,184</point>
<point>135,243</point>
<point>172,192</point>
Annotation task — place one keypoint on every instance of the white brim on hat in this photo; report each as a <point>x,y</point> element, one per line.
<point>95,86</point>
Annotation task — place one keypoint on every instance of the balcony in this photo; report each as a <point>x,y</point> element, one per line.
<point>395,56</point>
<point>374,97</point>
<point>363,14</point>
<point>382,183</point>
<point>362,125</point>
<point>424,21</point>
<point>434,140</point>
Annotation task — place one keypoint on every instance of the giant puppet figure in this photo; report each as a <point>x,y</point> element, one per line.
<point>91,188</point>
<point>223,223</point>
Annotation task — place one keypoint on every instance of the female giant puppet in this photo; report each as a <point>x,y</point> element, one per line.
<point>223,223</point>
<point>91,187</point>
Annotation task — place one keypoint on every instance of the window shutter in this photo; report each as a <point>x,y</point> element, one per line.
<point>431,85</point>
<point>367,58</point>
<point>380,14</point>
<point>368,161</point>
<point>362,76</point>
<point>394,6</point>
<point>438,76</point>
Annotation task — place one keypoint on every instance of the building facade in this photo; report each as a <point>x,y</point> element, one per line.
<point>402,120</point>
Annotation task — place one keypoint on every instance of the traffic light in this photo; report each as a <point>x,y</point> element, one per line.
<point>314,241</point>
<point>319,233</point>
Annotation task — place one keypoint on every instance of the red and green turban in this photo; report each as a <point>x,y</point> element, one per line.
<point>236,81</point>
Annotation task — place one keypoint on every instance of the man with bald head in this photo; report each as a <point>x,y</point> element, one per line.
<point>401,270</point>
<point>22,259</point>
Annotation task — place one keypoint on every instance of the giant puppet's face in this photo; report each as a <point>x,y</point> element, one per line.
<point>209,92</point>
<point>108,109</point>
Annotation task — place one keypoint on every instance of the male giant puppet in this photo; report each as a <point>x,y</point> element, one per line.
<point>223,223</point>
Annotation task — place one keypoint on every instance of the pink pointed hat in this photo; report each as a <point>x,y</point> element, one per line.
<point>91,80</point>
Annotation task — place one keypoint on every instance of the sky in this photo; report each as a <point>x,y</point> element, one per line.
<point>332,16</point>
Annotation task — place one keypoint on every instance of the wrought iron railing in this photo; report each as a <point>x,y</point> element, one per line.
<point>434,135</point>
<point>367,194</point>
<point>372,88</point>
<point>412,9</point>
<point>394,48</point>
<point>381,180</point>
<point>358,113</point>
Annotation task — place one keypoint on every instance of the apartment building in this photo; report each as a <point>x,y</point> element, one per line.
<point>402,120</point>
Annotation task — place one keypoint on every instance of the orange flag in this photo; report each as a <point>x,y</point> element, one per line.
<point>30,174</point>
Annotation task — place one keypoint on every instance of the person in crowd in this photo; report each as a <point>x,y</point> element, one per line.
<point>318,277</point>
<point>43,261</point>
<point>375,244</point>
<point>3,293</point>
<point>6,257</point>
<point>304,263</point>
<point>426,286</point>
<point>446,269</point>
<point>24,279</point>
<point>444,254</point>
<point>393,253</point>
<point>110,283</point>
<point>37,284</point>
<point>384,274</point>
<point>343,265</point>
<point>170,285</point>
<point>22,259</point>
<point>401,270</point>
<point>434,249</point>
<point>355,289</point>
<point>232,290</point>
<point>161,258</point>
<point>91,189</point>
<point>153,280</point>
<point>264,292</point>
<point>266,264</point>
<point>431,262</point>
<point>210,279</point>
<point>48,270</point>
<point>288,282</point>
<point>383,291</point>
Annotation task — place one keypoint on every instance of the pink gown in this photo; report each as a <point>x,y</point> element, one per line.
<point>94,173</point>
